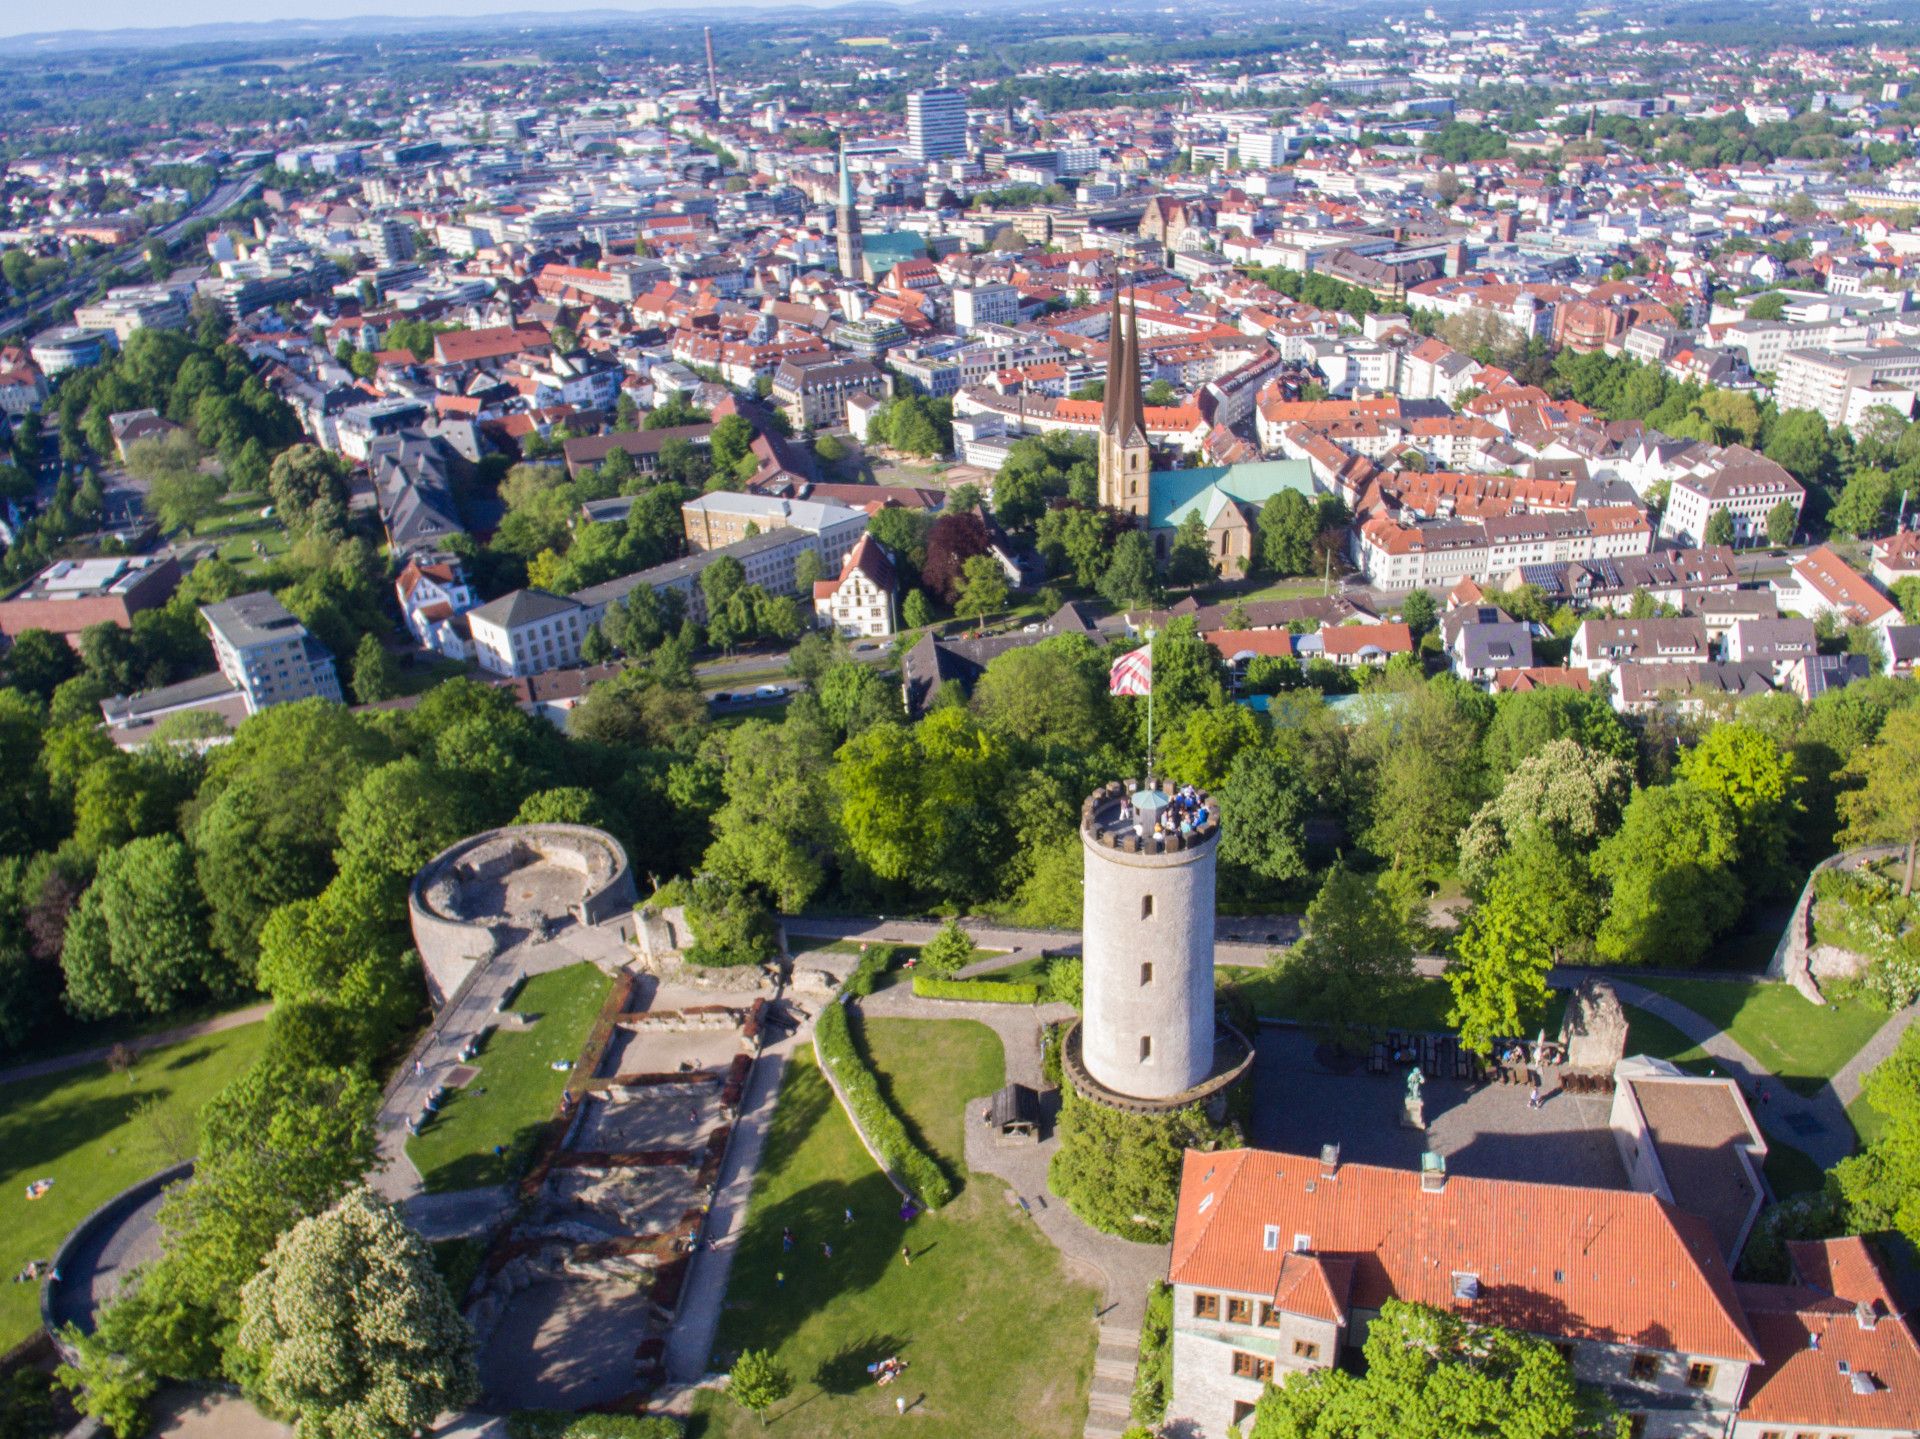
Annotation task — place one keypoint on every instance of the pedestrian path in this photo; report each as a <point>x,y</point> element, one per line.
<point>1852,1074</point>
<point>704,1291</point>
<point>81,1058</point>
<point>1110,1399</point>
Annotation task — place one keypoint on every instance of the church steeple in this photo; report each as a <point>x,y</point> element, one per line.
<point>846,224</point>
<point>1125,465</point>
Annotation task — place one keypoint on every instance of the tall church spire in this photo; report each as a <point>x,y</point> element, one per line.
<point>846,225</point>
<point>1125,473</point>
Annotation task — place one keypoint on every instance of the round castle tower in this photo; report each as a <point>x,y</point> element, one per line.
<point>1147,1035</point>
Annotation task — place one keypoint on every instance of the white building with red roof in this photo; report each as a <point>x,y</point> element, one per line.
<point>859,603</point>
<point>1821,583</point>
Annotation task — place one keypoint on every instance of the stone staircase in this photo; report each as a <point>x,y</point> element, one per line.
<point>1109,1400</point>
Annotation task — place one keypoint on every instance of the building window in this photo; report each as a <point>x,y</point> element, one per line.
<point>1146,1047</point>
<point>1269,1317</point>
<point>1146,972</point>
<point>1305,1349</point>
<point>1206,1306</point>
<point>1645,1366</point>
<point>1239,1311</point>
<point>1146,906</point>
<point>1699,1376</point>
<point>1251,1366</point>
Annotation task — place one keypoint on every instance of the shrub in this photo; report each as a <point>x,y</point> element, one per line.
<point>558,1424</point>
<point>1120,1172</point>
<point>874,963</point>
<point>1051,1068</point>
<point>872,1115</point>
<point>986,991</point>
<point>948,952</point>
<point>1064,982</point>
<point>1863,911</point>
<point>1153,1378</point>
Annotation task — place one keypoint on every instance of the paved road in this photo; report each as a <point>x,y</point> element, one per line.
<point>81,1058</point>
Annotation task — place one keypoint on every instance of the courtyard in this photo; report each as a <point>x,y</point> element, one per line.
<point>1486,1130</point>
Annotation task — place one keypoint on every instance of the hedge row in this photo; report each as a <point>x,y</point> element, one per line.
<point>555,1424</point>
<point>925,986</point>
<point>874,963</point>
<point>875,1118</point>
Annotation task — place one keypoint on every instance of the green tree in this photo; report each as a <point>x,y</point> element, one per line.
<point>138,938</point>
<point>983,588</point>
<point>1128,580</point>
<point>1798,440</point>
<point>757,1382</point>
<point>1564,793</point>
<point>309,490</point>
<point>1120,1172</point>
<point>948,952</point>
<point>1356,957</point>
<point>1430,1374</point>
<point>1885,803</point>
<point>1719,529</point>
<point>38,662</point>
<point>1861,510</point>
<point>1420,612</point>
<point>1880,1186</point>
<point>1050,694</point>
<point>349,1328</point>
<point>1746,769</point>
<point>1264,808</point>
<point>107,1385</point>
<point>376,674</point>
<point>1287,529</point>
<point>1670,868</point>
<point>916,611</point>
<point>1502,956</point>
<point>1782,520</point>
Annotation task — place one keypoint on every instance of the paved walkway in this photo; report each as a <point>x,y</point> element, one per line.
<point>704,1292</point>
<point>81,1058</point>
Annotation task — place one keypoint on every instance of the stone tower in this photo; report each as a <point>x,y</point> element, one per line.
<point>846,225</point>
<point>1148,1027</point>
<point>1126,463</point>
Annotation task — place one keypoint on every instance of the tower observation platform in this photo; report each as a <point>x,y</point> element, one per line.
<point>1148,1039</point>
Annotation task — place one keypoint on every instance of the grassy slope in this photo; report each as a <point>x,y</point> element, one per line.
<point>78,1129</point>
<point>999,1340</point>
<point>517,1089</point>
<point>1804,1045</point>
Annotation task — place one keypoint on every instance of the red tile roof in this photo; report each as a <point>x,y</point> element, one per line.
<point>1614,1266</point>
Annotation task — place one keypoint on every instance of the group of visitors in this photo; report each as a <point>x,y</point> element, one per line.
<point>1185,812</point>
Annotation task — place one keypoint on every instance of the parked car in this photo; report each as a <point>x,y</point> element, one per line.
<point>770,692</point>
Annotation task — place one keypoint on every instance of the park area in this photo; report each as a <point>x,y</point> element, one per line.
<point>516,1089</point>
<point>998,1340</point>
<point>94,1131</point>
<point>241,535</point>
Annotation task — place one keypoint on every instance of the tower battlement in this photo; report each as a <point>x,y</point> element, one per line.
<point>1101,822</point>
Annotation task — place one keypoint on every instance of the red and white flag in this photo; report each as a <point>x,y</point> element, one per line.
<point>1132,673</point>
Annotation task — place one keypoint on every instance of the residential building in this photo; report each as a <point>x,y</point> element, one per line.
<point>990,304</point>
<point>1744,485</point>
<point>1843,385</point>
<point>814,395</point>
<point>70,347</point>
<point>1400,554</point>
<point>936,124</point>
<point>859,603</point>
<point>1821,583</point>
<point>1602,645</point>
<point>267,654</point>
<point>70,596</point>
<point>434,598</point>
<point>526,632</point>
<point>413,485</point>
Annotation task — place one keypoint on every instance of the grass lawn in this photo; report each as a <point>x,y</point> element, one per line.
<point>75,1035</point>
<point>1652,1036</point>
<point>1297,589</point>
<point>999,1341</point>
<point>80,1130</point>
<point>426,671</point>
<point>517,1089</point>
<point>236,527</point>
<point>1804,1045</point>
<point>1423,1007</point>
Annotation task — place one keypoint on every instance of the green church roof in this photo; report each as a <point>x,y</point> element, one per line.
<point>1174,494</point>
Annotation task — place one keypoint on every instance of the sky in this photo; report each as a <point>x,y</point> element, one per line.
<point>20,17</point>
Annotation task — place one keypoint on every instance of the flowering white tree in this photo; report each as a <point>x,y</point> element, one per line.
<point>349,1329</point>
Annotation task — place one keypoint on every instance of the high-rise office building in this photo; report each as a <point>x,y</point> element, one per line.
<point>936,124</point>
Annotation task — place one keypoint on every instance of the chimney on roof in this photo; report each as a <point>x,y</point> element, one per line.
<point>1865,1315</point>
<point>1329,1161</point>
<point>1433,1172</point>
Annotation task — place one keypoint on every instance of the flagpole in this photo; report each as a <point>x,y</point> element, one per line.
<point>1149,706</point>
